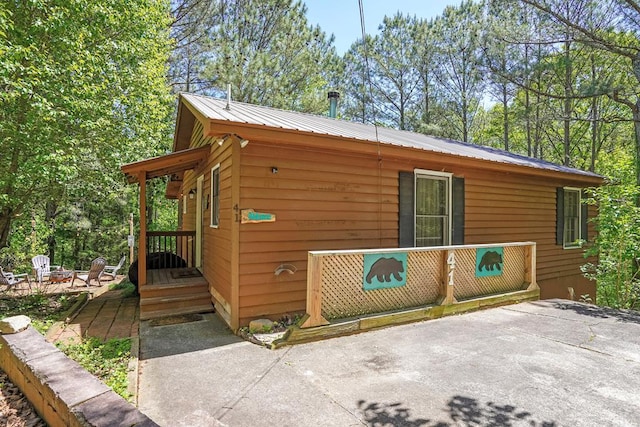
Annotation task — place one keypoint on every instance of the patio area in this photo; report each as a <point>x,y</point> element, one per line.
<point>106,315</point>
<point>55,286</point>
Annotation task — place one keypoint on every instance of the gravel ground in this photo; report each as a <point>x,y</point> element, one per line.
<point>15,409</point>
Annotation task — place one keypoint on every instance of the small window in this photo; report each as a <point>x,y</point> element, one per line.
<point>571,220</point>
<point>215,196</point>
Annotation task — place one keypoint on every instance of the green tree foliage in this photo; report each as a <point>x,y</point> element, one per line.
<point>609,26</point>
<point>395,80</point>
<point>192,21</point>
<point>460,83</point>
<point>270,55</point>
<point>423,118</point>
<point>576,104</point>
<point>357,103</point>
<point>387,78</point>
<point>617,244</point>
<point>501,60</point>
<point>83,91</point>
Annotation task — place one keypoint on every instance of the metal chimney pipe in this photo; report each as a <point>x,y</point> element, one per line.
<point>333,103</point>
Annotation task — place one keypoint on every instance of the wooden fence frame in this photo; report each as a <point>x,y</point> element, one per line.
<point>315,271</point>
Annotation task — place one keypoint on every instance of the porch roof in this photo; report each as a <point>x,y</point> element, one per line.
<point>169,164</point>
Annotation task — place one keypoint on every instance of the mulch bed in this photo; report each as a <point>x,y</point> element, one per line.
<point>15,409</point>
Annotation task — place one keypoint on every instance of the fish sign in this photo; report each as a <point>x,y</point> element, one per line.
<point>249,216</point>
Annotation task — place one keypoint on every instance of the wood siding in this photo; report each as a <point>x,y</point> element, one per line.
<point>322,200</point>
<point>327,200</point>
<point>504,208</point>
<point>344,195</point>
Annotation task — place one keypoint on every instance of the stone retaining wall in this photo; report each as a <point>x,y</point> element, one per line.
<point>61,391</point>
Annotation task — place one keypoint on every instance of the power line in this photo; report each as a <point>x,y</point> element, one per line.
<point>373,114</point>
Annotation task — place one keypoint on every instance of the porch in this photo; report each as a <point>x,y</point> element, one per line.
<point>174,285</point>
<point>169,282</point>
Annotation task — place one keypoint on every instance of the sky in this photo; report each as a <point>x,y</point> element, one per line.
<point>342,17</point>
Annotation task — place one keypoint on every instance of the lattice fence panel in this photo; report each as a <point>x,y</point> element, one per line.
<point>343,294</point>
<point>467,285</point>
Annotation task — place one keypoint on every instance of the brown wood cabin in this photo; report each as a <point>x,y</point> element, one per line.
<point>318,183</point>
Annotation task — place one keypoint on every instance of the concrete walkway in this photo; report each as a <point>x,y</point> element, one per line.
<point>548,363</point>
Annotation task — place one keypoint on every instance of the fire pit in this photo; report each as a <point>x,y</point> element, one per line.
<point>59,276</point>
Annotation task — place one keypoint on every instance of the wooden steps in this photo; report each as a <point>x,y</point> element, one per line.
<point>165,296</point>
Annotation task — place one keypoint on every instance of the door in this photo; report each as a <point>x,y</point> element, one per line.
<point>199,228</point>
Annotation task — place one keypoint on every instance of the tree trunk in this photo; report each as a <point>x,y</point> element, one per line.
<point>594,134</point>
<point>427,114</point>
<point>595,117</point>
<point>50,219</point>
<point>505,116</point>
<point>5,226</point>
<point>635,109</point>
<point>527,112</point>
<point>567,104</point>
<point>401,110</point>
<point>636,128</point>
<point>527,103</point>
<point>537,140</point>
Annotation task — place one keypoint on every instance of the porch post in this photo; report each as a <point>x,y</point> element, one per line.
<point>235,234</point>
<point>142,241</point>
<point>530,266</point>
<point>448,270</point>
<point>314,292</point>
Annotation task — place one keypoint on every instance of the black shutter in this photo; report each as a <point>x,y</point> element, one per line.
<point>406,221</point>
<point>584,217</point>
<point>560,216</point>
<point>457,233</point>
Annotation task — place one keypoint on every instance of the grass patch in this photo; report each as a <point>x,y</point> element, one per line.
<point>108,360</point>
<point>128,289</point>
<point>44,310</point>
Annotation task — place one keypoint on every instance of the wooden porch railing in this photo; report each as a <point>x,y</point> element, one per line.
<point>180,243</point>
<point>343,284</point>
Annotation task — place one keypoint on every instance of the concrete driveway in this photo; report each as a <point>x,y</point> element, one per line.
<point>547,363</point>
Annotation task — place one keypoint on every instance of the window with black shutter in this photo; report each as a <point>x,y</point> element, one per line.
<point>431,209</point>
<point>571,217</point>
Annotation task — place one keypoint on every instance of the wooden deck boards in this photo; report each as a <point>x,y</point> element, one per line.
<point>173,276</point>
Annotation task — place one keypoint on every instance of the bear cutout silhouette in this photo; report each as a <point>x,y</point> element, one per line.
<point>384,268</point>
<point>490,260</point>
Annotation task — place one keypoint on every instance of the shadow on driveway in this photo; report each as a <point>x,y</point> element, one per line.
<point>536,364</point>
<point>461,410</point>
<point>599,312</point>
